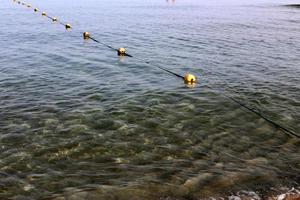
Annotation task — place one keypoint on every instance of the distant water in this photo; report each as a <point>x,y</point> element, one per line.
<point>74,116</point>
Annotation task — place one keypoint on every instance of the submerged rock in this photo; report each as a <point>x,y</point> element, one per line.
<point>234,198</point>
<point>249,194</point>
<point>28,187</point>
<point>285,194</point>
<point>198,181</point>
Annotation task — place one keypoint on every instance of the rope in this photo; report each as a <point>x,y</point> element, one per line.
<point>275,124</point>
<point>93,39</point>
<point>108,46</point>
<point>285,130</point>
<point>159,67</point>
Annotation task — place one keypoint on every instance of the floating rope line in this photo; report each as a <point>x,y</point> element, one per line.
<point>123,53</point>
<point>147,62</point>
<point>54,19</point>
<point>188,78</point>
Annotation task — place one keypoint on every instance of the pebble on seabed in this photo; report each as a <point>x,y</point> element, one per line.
<point>28,187</point>
<point>195,182</point>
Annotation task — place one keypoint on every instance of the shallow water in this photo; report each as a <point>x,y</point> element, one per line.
<point>75,116</point>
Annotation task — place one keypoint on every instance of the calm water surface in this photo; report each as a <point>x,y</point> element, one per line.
<point>74,116</point>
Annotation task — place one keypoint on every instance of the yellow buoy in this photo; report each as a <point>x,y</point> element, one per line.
<point>43,14</point>
<point>54,19</point>
<point>68,26</point>
<point>28,6</point>
<point>35,10</point>
<point>86,35</point>
<point>189,79</point>
<point>121,51</point>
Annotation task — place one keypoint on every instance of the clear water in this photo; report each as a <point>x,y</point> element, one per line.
<point>73,115</point>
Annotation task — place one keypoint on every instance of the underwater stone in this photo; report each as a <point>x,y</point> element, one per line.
<point>196,182</point>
